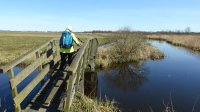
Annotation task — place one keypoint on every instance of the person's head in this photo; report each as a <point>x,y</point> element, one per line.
<point>69,28</point>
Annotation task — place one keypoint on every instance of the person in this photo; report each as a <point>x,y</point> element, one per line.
<point>67,53</point>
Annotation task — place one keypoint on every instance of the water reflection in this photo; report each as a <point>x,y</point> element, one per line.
<point>90,84</point>
<point>125,77</point>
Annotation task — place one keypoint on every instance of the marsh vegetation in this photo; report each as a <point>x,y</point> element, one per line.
<point>191,41</point>
<point>130,47</point>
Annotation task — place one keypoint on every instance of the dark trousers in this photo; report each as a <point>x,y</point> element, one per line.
<point>66,58</point>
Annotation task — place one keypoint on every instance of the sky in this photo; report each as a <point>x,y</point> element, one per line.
<point>87,15</point>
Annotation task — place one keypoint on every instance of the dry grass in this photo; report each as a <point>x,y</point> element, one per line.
<point>188,41</point>
<point>86,104</point>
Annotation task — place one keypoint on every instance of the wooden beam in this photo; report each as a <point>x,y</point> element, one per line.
<point>80,68</point>
<point>74,65</point>
<point>23,94</point>
<point>70,92</point>
<point>53,92</point>
<point>14,90</point>
<point>38,55</point>
<point>24,73</point>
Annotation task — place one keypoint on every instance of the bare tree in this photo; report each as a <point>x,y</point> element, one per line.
<point>187,29</point>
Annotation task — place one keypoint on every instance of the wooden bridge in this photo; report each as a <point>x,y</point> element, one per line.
<point>57,88</point>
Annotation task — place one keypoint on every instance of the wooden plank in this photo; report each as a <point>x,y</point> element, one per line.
<point>23,57</point>
<point>53,92</point>
<point>33,101</point>
<point>13,86</point>
<point>56,59</point>
<point>42,110</point>
<point>22,95</point>
<point>24,73</point>
<point>79,70</point>
<point>39,92</point>
<point>70,92</point>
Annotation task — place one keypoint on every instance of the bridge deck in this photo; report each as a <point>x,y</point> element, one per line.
<point>50,96</point>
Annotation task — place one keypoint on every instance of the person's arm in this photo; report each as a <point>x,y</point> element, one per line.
<point>75,39</point>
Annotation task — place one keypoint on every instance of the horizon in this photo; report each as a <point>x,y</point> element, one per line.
<point>110,15</point>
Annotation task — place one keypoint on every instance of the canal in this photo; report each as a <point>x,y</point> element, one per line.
<point>153,85</point>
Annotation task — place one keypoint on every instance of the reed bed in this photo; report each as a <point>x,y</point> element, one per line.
<point>188,41</point>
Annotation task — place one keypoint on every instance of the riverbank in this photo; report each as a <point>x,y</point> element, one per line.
<point>86,104</point>
<point>188,41</point>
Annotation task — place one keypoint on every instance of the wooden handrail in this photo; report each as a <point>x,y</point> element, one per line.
<point>74,65</point>
<point>84,57</point>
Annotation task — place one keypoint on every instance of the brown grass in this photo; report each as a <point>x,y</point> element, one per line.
<point>86,104</point>
<point>188,41</point>
<point>132,48</point>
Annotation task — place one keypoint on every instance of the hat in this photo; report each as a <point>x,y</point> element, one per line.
<point>69,28</point>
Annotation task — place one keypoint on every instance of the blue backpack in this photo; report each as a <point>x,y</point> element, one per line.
<point>66,40</point>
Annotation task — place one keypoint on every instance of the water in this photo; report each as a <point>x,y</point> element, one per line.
<point>151,84</point>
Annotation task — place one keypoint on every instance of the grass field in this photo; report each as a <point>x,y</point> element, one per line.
<point>14,44</point>
<point>188,41</point>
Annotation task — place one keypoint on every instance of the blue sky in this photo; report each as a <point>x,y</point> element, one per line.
<point>85,15</point>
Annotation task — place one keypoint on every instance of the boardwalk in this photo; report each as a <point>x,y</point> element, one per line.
<point>58,87</point>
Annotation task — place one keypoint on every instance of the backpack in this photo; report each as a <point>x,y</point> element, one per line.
<point>66,40</point>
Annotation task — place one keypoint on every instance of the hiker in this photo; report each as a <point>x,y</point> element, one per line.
<point>66,46</point>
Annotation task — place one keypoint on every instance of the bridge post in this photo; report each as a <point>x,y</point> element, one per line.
<point>38,55</point>
<point>70,91</point>
<point>80,79</point>
<point>92,53</point>
<point>14,89</point>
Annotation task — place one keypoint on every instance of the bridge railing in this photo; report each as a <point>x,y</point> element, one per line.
<point>83,60</point>
<point>46,53</point>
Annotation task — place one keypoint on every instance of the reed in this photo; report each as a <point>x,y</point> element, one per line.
<point>188,41</point>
